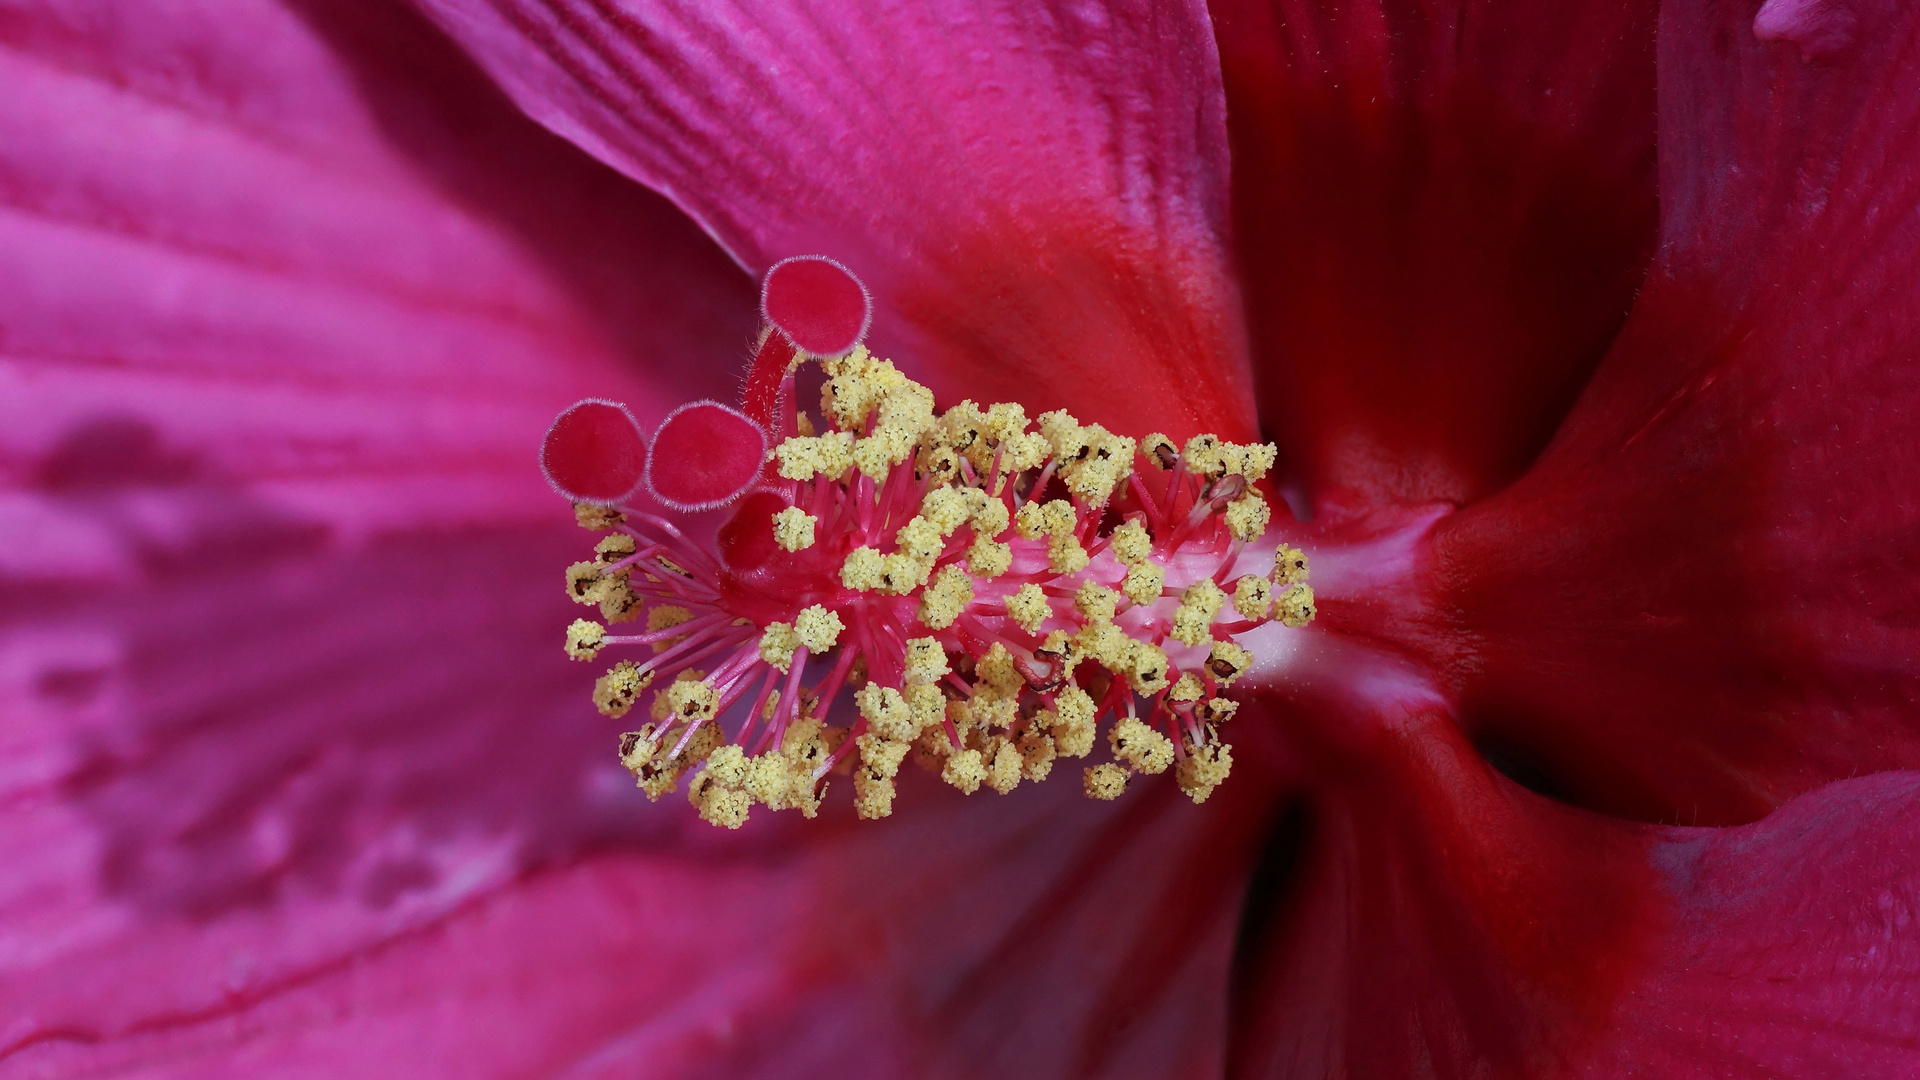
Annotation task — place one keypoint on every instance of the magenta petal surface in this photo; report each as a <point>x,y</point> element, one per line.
<point>286,299</point>
<point>1702,601</point>
<point>1035,193</point>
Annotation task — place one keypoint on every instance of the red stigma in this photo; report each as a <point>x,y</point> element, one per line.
<point>704,455</point>
<point>594,452</point>
<point>817,303</point>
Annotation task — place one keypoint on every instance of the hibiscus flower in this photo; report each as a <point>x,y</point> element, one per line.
<point>1591,764</point>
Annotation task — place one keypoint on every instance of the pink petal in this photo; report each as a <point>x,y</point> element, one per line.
<point>1442,212</point>
<point>287,301</point>
<point>1702,596</point>
<point>1035,193</point>
<point>354,278</point>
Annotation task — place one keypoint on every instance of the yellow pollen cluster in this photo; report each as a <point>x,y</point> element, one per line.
<point>981,595</point>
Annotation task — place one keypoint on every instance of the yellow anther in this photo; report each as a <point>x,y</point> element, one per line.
<point>1147,750</point>
<point>793,529</point>
<point>960,715</point>
<point>1253,597</point>
<point>881,757</point>
<point>596,518</point>
<point>1063,433</point>
<point>994,709</point>
<point>864,569</point>
<point>1106,460</point>
<point>997,671</point>
<point>872,796</point>
<point>1247,517</point>
<point>1073,723</point>
<point>1289,566</point>
<point>900,574</point>
<point>1005,419</point>
<point>768,780</point>
<point>616,691</point>
<point>1204,768</point>
<point>777,645</point>
<point>1036,754</point>
<point>1187,689</point>
<point>661,770</point>
<point>1160,450</point>
<point>1143,583</point>
<point>990,516</point>
<point>818,629</point>
<point>612,549</point>
<point>691,700</point>
<point>1295,605</point>
<point>906,408</point>
<point>1028,607</point>
<point>1065,555</point>
<point>965,770</point>
<point>583,583</point>
<point>1105,643</point>
<point>1104,782</point>
<point>618,602</point>
<point>662,706</point>
<point>1193,620</point>
<point>937,463</point>
<point>921,539</point>
<point>665,617</point>
<point>1257,459</point>
<point>886,712</point>
<point>926,705</point>
<point>1003,767</point>
<point>946,508</point>
<point>727,766</point>
<point>637,749</point>
<point>1060,653</point>
<point>926,660</point>
<point>876,455</point>
<point>1031,521</point>
<point>1147,669</point>
<point>1095,602</point>
<point>585,639</point>
<point>799,457</point>
<point>722,806</point>
<point>834,454</point>
<point>804,423</point>
<point>1216,710</point>
<point>1205,456</point>
<point>988,559</point>
<point>946,598</point>
<point>1227,661</point>
<point>1023,452</point>
<point>1131,543</point>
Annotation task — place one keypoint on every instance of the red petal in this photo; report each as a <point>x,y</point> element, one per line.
<point>1441,921</point>
<point>1035,193</point>
<point>1442,213</point>
<point>704,455</point>
<point>1704,596</point>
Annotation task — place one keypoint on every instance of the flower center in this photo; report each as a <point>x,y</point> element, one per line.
<point>987,592</point>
